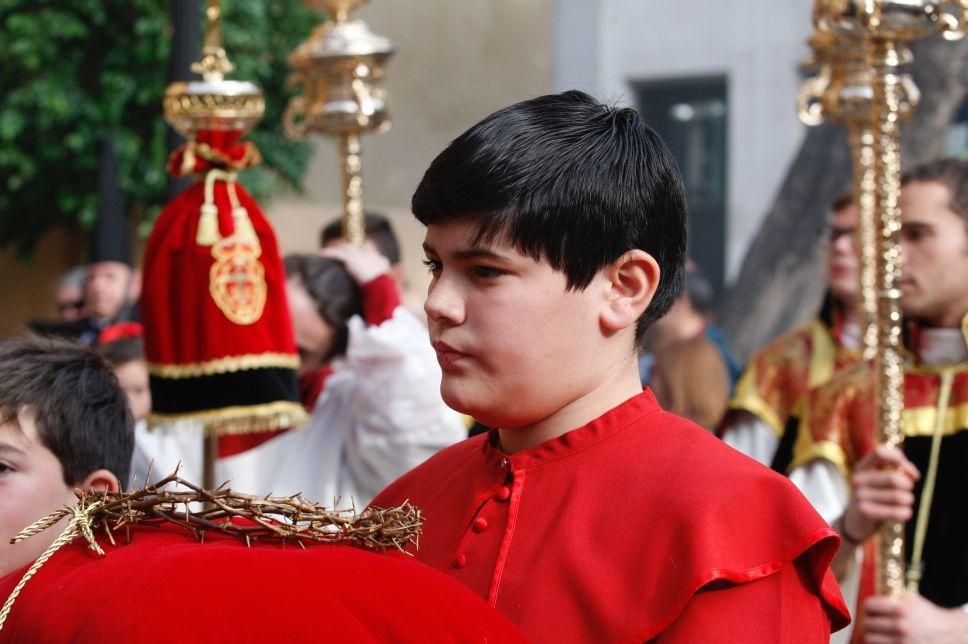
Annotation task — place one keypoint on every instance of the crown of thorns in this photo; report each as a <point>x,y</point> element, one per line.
<point>245,516</point>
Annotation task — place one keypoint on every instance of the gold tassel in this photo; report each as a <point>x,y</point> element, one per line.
<point>244,230</point>
<point>243,225</point>
<point>207,233</point>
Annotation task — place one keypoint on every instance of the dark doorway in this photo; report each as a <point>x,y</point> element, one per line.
<point>691,115</point>
<point>956,138</point>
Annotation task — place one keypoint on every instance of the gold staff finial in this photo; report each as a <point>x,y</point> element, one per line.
<point>340,67</point>
<point>213,103</point>
<point>214,64</point>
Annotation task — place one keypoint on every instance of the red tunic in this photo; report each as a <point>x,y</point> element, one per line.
<point>639,525</point>
<point>166,587</point>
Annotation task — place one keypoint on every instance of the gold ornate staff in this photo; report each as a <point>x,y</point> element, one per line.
<point>862,49</point>
<point>842,91</point>
<point>340,67</point>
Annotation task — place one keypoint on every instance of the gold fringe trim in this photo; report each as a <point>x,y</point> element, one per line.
<point>230,364</point>
<point>921,421</point>
<point>935,370</point>
<point>241,419</point>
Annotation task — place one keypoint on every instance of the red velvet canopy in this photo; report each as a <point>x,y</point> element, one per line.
<point>218,337</point>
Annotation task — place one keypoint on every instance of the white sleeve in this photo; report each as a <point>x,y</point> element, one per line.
<point>164,448</point>
<point>750,435</point>
<point>398,416</point>
<point>824,486</point>
<point>827,490</point>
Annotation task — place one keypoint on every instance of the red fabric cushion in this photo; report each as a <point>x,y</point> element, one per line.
<point>165,586</point>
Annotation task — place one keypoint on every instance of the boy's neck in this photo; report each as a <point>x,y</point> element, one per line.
<point>610,393</point>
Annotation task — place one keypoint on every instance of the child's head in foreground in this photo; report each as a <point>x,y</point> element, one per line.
<point>556,234</point>
<point>64,424</point>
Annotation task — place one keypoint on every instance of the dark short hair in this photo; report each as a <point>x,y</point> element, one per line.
<point>377,228</point>
<point>120,352</point>
<point>80,410</point>
<point>569,180</point>
<point>951,173</point>
<point>843,199</point>
<point>333,290</point>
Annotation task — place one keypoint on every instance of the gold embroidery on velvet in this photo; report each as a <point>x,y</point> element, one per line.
<point>242,419</point>
<point>225,365</point>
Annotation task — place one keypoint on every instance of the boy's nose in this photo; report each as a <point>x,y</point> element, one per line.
<point>443,304</point>
<point>844,243</point>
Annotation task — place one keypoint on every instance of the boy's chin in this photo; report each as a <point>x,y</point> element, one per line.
<point>462,398</point>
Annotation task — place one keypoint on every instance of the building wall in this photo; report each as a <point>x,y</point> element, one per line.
<point>604,46</point>
<point>27,286</point>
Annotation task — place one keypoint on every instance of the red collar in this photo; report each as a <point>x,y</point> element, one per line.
<point>574,441</point>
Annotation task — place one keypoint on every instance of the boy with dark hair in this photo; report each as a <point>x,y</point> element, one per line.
<point>555,236</point>
<point>64,425</point>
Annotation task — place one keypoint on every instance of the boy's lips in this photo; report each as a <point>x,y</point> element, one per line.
<point>447,355</point>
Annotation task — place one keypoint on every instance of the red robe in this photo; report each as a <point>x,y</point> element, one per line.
<point>639,525</point>
<point>164,586</point>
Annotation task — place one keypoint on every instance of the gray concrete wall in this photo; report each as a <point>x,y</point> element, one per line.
<point>603,46</point>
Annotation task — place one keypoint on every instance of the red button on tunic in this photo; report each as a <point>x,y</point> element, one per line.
<point>617,531</point>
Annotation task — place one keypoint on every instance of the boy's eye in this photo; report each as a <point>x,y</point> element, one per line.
<point>433,266</point>
<point>913,234</point>
<point>5,469</point>
<point>486,272</point>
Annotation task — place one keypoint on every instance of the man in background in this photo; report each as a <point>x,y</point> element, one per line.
<point>112,284</point>
<point>766,408</point>
<point>69,295</point>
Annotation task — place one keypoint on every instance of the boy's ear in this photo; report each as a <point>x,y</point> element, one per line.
<point>631,283</point>
<point>100,480</point>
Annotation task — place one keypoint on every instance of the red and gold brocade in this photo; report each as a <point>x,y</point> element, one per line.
<point>778,378</point>
<point>840,426</point>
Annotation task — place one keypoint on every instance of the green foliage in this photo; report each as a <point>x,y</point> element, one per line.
<point>74,70</point>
